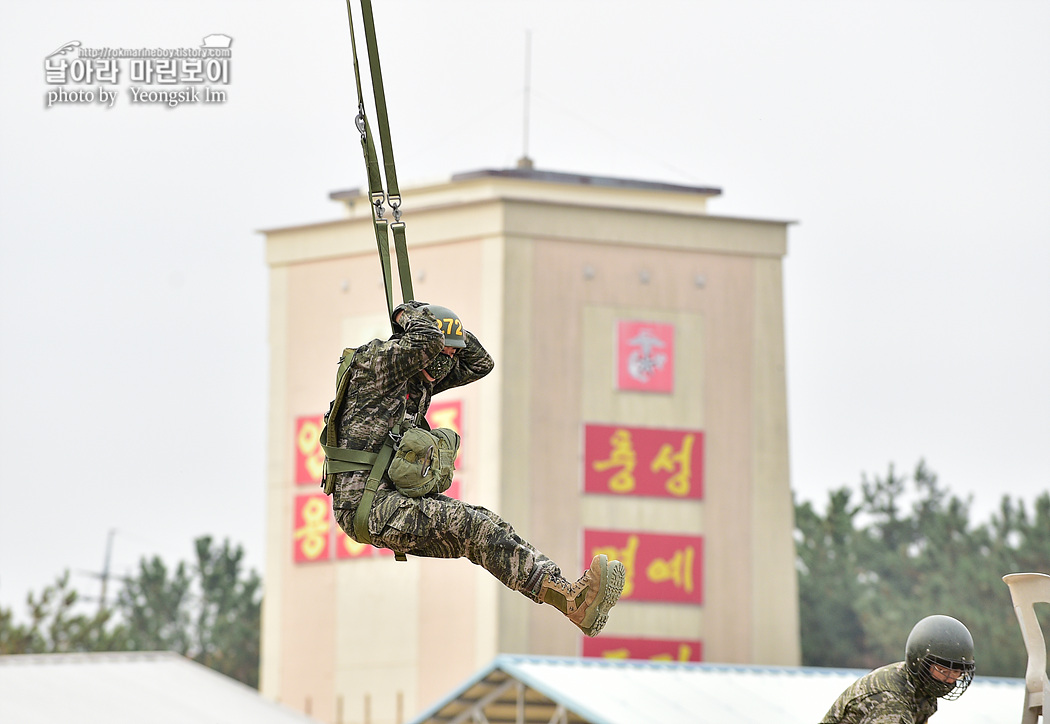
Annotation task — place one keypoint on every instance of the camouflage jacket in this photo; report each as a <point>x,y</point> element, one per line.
<point>386,388</point>
<point>885,696</point>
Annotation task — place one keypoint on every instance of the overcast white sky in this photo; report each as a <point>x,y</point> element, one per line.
<point>909,139</point>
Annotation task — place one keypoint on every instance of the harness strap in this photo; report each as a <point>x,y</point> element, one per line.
<point>350,456</point>
<point>368,496</point>
<point>374,478</point>
<point>375,184</point>
<point>341,460</point>
<point>384,261</point>
<point>401,247</point>
<point>380,99</point>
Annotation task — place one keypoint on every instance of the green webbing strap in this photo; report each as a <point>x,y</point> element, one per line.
<point>380,97</point>
<point>353,47</point>
<point>393,191</point>
<point>402,261</point>
<point>375,184</point>
<point>378,469</point>
<point>375,181</point>
<point>342,460</point>
<point>384,261</point>
<point>365,506</point>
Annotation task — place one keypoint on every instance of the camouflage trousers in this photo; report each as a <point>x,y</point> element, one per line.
<point>442,527</point>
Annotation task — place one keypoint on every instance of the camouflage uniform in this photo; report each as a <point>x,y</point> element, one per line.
<point>386,387</point>
<point>885,696</point>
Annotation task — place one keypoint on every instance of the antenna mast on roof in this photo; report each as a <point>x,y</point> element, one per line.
<point>105,575</point>
<point>525,161</point>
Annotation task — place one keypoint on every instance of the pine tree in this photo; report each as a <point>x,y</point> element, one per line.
<point>868,572</point>
<point>210,612</point>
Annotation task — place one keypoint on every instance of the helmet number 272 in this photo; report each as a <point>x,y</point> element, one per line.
<point>446,326</point>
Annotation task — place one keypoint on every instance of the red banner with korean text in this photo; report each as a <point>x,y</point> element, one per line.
<point>659,567</point>
<point>309,457</point>
<point>655,462</point>
<point>607,647</point>
<point>644,356</point>
<point>312,528</point>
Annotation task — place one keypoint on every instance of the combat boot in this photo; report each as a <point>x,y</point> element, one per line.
<point>587,601</point>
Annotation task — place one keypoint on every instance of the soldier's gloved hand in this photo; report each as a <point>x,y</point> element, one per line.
<point>400,309</point>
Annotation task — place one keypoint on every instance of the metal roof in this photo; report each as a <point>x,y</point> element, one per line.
<point>558,177</point>
<point>550,690</point>
<point>579,179</point>
<point>128,688</point>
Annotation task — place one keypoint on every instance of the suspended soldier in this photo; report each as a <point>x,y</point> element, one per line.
<point>387,470</point>
<point>938,663</point>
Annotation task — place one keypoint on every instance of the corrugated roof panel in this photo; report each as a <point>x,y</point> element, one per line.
<point>128,688</point>
<point>603,691</point>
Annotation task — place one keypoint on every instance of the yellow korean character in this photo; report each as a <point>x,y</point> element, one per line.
<point>309,443</point>
<point>667,459</point>
<point>313,534</point>
<point>622,456</point>
<point>678,570</point>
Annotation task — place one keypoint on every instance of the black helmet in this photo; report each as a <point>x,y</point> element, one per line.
<point>450,325</point>
<point>944,641</point>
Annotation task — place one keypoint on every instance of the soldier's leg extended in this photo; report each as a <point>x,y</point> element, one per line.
<point>443,527</point>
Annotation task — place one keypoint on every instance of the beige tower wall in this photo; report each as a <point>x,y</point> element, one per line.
<point>540,272</point>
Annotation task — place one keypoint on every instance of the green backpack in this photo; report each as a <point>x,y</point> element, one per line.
<point>337,459</point>
<point>340,460</point>
<point>424,461</point>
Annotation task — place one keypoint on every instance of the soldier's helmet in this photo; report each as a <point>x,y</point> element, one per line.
<point>945,641</point>
<point>450,325</point>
